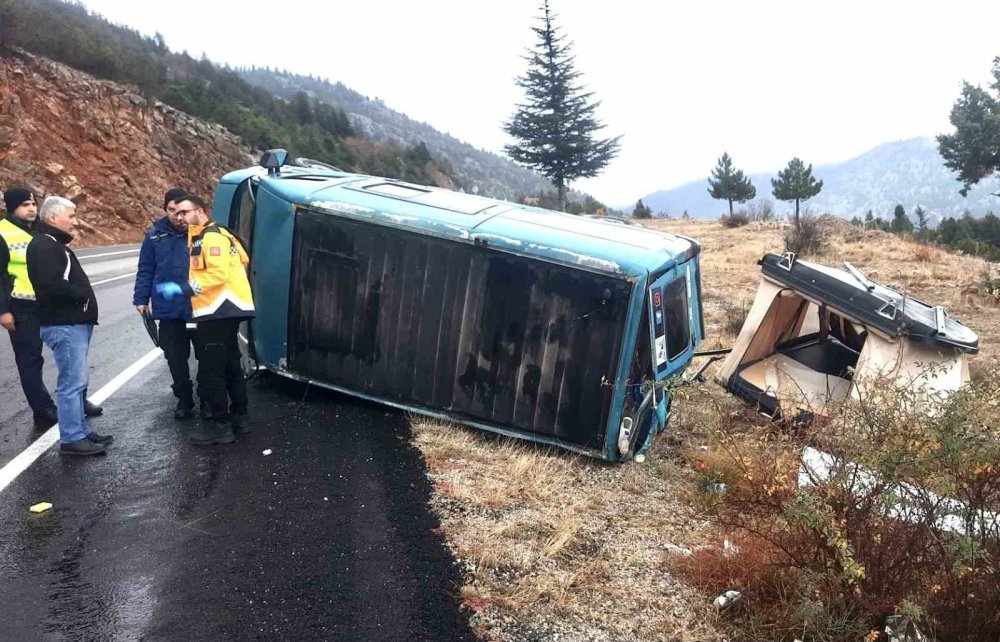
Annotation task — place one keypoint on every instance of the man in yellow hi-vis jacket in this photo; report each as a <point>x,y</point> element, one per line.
<point>220,300</point>
<point>18,308</point>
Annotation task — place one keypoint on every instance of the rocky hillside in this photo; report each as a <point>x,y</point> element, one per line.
<point>101,144</point>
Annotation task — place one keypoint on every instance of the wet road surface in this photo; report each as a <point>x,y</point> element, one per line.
<point>327,538</point>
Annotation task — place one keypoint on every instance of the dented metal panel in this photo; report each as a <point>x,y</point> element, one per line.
<point>480,334</point>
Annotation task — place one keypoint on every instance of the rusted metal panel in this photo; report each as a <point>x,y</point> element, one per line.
<point>480,334</point>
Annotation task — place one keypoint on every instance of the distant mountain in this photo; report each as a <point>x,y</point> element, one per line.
<point>909,172</point>
<point>473,169</point>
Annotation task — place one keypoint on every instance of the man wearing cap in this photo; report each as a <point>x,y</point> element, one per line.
<point>164,258</point>
<point>18,309</point>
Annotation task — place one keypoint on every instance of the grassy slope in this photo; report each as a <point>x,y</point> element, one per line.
<point>554,543</point>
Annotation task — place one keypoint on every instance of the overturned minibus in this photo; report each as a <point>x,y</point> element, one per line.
<point>816,336</point>
<point>522,321</point>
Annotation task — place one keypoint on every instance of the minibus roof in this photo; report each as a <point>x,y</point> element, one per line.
<point>608,246</point>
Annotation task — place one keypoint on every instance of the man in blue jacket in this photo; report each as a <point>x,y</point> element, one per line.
<point>164,258</point>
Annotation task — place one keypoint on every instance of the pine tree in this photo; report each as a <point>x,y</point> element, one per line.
<point>302,106</point>
<point>642,211</point>
<point>730,184</point>
<point>974,149</point>
<point>921,215</point>
<point>796,183</point>
<point>901,223</point>
<point>989,229</point>
<point>555,126</point>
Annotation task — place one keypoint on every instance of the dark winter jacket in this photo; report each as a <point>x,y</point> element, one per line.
<point>163,258</point>
<point>61,286</point>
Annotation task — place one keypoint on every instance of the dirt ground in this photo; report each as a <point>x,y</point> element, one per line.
<point>560,547</point>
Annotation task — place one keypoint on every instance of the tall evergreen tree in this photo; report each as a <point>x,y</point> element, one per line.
<point>642,211</point>
<point>796,183</point>
<point>555,126</point>
<point>729,184</point>
<point>921,215</point>
<point>303,108</point>
<point>900,223</point>
<point>974,149</point>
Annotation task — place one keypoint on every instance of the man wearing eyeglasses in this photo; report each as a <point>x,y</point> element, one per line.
<point>220,300</point>
<point>163,258</point>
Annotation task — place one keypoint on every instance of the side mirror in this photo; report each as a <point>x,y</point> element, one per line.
<point>273,160</point>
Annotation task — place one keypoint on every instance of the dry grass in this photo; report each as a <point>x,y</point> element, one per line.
<point>560,546</point>
<point>553,543</point>
<point>926,254</point>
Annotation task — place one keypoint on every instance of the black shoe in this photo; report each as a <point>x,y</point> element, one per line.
<point>184,410</point>
<point>92,410</point>
<point>82,447</point>
<point>240,423</point>
<point>214,433</point>
<point>98,438</point>
<point>46,418</point>
<point>205,410</point>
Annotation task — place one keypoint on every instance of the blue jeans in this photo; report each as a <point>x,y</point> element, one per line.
<point>70,345</point>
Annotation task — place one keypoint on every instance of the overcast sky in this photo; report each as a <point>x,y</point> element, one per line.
<point>681,82</point>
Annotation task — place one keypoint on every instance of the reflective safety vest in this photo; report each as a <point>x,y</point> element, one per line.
<point>17,244</point>
<point>218,274</point>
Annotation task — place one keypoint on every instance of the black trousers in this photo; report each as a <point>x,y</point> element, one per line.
<point>220,378</point>
<point>26,341</point>
<point>176,340</point>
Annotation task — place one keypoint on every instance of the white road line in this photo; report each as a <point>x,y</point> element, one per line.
<point>114,278</point>
<point>28,456</point>
<point>96,256</point>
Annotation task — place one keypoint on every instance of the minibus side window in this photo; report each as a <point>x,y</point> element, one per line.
<point>678,325</point>
<point>242,213</point>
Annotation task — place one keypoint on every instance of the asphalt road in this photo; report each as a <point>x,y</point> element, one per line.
<point>327,538</point>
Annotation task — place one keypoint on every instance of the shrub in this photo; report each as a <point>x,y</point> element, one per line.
<point>736,219</point>
<point>989,285</point>
<point>808,239</point>
<point>926,254</point>
<point>735,314</point>
<point>904,521</point>
<point>853,234</point>
<point>761,209</point>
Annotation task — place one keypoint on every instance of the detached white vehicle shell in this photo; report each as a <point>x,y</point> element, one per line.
<point>816,335</point>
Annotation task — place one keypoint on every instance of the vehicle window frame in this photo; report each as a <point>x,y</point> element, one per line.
<point>685,306</point>
<point>239,223</point>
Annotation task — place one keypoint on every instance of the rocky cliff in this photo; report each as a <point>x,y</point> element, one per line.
<point>101,144</point>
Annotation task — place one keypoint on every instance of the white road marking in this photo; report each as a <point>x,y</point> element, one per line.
<point>97,256</point>
<point>114,278</point>
<point>28,456</point>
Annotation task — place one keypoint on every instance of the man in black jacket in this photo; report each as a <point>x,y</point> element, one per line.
<point>67,309</point>
<point>18,310</point>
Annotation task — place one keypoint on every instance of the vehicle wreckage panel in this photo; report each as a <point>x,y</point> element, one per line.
<point>479,334</point>
<point>816,336</point>
<point>873,304</point>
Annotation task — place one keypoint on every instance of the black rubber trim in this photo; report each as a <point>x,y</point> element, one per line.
<point>817,282</point>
